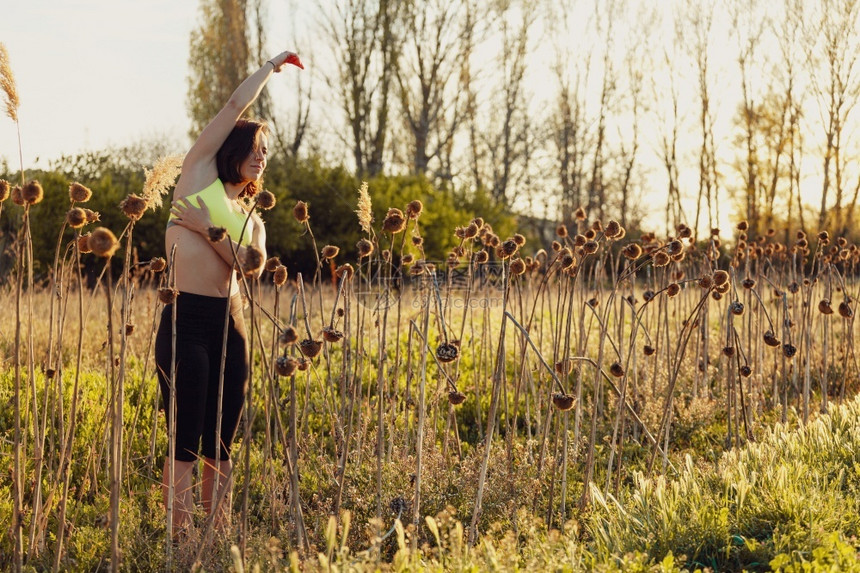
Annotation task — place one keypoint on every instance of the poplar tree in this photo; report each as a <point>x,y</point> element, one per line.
<point>222,53</point>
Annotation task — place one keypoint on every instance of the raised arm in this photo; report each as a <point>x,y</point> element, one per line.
<point>198,167</point>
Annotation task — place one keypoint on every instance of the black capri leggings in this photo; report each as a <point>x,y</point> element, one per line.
<point>200,329</point>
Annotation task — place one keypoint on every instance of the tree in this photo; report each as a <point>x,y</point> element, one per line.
<point>668,118</point>
<point>365,45</point>
<point>749,24</point>
<point>769,137</point>
<point>832,43</point>
<point>633,97</point>
<point>699,27</point>
<point>567,121</point>
<point>499,137</point>
<point>430,61</point>
<point>788,35</point>
<point>219,57</point>
<point>597,186</point>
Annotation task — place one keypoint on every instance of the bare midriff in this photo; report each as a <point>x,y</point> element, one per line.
<point>199,269</point>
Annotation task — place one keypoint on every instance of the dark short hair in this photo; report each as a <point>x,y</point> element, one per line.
<point>235,149</point>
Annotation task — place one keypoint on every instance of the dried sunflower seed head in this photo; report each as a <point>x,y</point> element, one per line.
<point>673,289</point>
<point>344,271</point>
<point>167,295</point>
<point>279,277</point>
<point>661,259</point>
<point>332,335</point>
<point>394,221</point>
<point>518,267</point>
<point>310,348</point>
<point>770,338</point>
<point>266,200</point>
<point>614,230</point>
<point>288,335</point>
<point>481,257</point>
<point>632,251</point>
<point>329,252</point>
<point>78,193</point>
<point>16,196</point>
<point>102,242</point>
<point>414,208</point>
<point>564,367</point>
<point>32,193</point>
<point>563,402</point>
<point>76,217</point>
<point>157,264</point>
<point>300,212</point>
<point>365,248</point>
<point>507,249</point>
<point>286,366</point>
<point>447,352</point>
<point>133,206</point>
<point>272,263</point>
<point>217,234</point>
<point>84,244</point>
<point>721,277</point>
<point>252,260</point>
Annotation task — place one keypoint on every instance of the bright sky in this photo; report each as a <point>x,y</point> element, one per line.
<point>92,73</point>
<point>98,73</point>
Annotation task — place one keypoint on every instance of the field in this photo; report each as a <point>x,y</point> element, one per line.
<point>607,404</point>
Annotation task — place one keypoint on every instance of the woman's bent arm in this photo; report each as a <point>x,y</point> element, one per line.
<point>198,167</point>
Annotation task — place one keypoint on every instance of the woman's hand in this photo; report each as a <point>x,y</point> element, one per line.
<point>191,217</point>
<point>285,58</point>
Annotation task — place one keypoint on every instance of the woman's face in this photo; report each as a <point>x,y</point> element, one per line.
<point>253,166</point>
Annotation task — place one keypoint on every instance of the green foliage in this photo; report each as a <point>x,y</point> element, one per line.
<point>111,178</point>
<point>332,196</point>
<point>832,554</point>
<point>331,192</point>
<point>789,499</point>
<point>220,55</point>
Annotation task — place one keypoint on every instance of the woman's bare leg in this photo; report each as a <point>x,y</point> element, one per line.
<point>225,489</point>
<point>183,496</point>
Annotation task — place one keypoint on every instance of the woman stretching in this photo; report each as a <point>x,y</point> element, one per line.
<point>224,165</point>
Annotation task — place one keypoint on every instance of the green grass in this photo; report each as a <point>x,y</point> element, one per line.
<point>788,500</point>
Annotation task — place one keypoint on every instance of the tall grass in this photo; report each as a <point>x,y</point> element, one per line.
<point>496,385</point>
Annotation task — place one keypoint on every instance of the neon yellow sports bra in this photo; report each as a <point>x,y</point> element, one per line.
<point>221,211</point>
